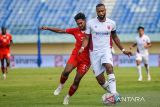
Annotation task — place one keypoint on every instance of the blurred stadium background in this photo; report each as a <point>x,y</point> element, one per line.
<point>23,17</point>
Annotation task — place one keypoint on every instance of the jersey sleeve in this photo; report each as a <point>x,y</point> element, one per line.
<point>148,40</point>
<point>10,37</point>
<point>88,28</point>
<point>135,40</point>
<point>114,26</point>
<point>70,31</point>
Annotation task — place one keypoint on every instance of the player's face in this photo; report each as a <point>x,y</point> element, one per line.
<point>101,12</point>
<point>141,32</point>
<point>81,24</point>
<point>3,31</point>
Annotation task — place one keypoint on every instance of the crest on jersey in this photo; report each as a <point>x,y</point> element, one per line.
<point>108,27</point>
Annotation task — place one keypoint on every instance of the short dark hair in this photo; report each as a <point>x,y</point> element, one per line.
<point>99,5</point>
<point>80,16</point>
<point>140,27</point>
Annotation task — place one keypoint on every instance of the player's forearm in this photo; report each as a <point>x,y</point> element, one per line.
<point>149,45</point>
<point>57,30</point>
<point>117,42</point>
<point>134,45</point>
<point>85,41</point>
<point>84,44</point>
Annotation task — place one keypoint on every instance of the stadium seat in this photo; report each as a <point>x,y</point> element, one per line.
<point>134,13</point>
<point>22,17</point>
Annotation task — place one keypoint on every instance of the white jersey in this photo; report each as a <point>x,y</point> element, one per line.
<point>141,41</point>
<point>100,33</point>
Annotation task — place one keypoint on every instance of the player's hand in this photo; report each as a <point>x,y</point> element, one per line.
<point>130,47</point>
<point>129,53</point>
<point>81,50</point>
<point>145,46</point>
<point>44,28</point>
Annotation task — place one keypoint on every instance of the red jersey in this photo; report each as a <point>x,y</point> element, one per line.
<point>82,61</point>
<point>5,42</point>
<point>79,35</point>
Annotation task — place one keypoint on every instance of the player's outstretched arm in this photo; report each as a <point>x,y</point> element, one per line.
<point>133,45</point>
<point>11,43</point>
<point>57,30</point>
<point>84,44</point>
<point>148,45</point>
<point>118,43</point>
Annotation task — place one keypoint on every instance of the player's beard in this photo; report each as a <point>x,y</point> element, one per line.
<point>83,28</point>
<point>102,17</point>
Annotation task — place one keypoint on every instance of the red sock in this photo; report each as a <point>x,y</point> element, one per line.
<point>63,79</point>
<point>72,90</point>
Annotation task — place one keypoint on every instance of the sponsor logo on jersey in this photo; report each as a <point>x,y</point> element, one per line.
<point>102,33</point>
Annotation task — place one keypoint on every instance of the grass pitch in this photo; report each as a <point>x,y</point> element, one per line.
<point>34,88</point>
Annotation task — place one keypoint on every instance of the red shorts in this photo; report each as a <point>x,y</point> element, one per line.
<point>5,55</point>
<point>82,63</point>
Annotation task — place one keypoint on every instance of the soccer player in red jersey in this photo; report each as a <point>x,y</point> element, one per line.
<point>5,42</point>
<point>81,62</point>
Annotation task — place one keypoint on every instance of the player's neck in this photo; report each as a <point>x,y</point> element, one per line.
<point>141,35</point>
<point>101,20</point>
<point>3,34</point>
<point>83,30</point>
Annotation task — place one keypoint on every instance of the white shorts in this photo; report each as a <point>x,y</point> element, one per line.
<point>142,57</point>
<point>98,58</point>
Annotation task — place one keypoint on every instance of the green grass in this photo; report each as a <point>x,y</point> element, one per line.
<point>34,88</point>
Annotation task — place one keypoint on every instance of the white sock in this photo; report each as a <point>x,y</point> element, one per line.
<point>61,85</point>
<point>4,75</point>
<point>147,70</point>
<point>68,96</point>
<point>106,86</point>
<point>112,83</point>
<point>139,70</point>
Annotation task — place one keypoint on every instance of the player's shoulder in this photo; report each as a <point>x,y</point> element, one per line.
<point>146,36</point>
<point>8,34</point>
<point>108,20</point>
<point>137,38</point>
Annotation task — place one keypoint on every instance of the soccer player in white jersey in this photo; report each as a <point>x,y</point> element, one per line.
<point>143,43</point>
<point>99,32</point>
